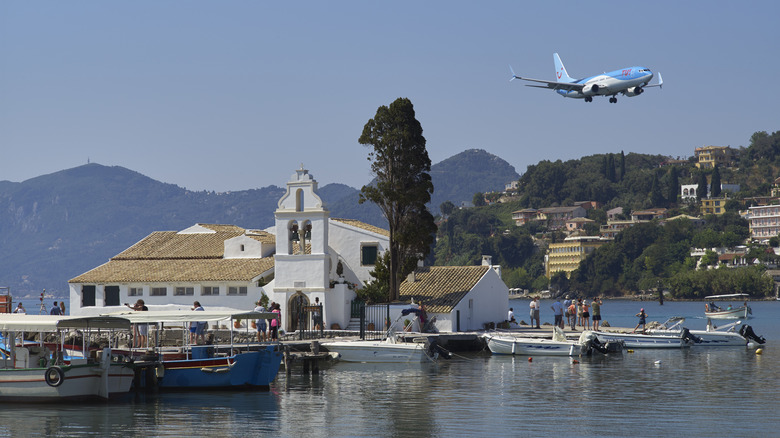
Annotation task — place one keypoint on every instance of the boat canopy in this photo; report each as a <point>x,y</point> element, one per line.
<point>14,322</point>
<point>727,297</point>
<point>148,317</point>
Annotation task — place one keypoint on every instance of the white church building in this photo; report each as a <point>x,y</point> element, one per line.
<point>226,267</point>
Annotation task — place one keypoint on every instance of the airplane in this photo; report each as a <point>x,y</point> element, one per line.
<point>630,81</point>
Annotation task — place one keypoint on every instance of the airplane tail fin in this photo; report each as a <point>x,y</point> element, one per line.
<point>560,70</point>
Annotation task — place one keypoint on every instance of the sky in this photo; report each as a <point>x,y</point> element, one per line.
<point>236,95</point>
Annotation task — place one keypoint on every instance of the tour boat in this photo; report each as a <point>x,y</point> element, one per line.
<point>32,372</point>
<point>711,310</point>
<point>206,366</point>
<point>723,336</point>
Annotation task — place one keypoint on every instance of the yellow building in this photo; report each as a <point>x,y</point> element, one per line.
<point>713,206</point>
<point>566,256</point>
<point>710,156</point>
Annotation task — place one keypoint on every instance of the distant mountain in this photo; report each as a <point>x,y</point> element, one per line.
<point>459,177</point>
<point>57,226</point>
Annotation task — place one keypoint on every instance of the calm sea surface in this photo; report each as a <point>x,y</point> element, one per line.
<point>693,392</point>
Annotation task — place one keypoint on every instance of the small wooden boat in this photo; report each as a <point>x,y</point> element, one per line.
<point>712,310</point>
<point>32,372</point>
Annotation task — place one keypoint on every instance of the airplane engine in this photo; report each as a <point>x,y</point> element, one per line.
<point>591,90</point>
<point>634,91</point>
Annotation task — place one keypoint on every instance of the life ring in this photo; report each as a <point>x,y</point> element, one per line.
<point>54,376</point>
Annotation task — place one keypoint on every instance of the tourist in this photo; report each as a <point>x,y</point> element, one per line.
<point>55,310</point>
<point>261,325</point>
<point>140,331</point>
<point>197,328</point>
<point>534,312</point>
<point>572,315</point>
<point>596,307</point>
<point>579,312</point>
<point>275,322</point>
<point>62,307</point>
<point>511,315</point>
<point>566,304</point>
<point>20,309</point>
<point>317,316</point>
<point>642,318</point>
<point>585,315</point>
<point>557,308</point>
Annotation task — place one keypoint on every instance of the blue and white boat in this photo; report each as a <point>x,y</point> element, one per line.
<point>208,366</point>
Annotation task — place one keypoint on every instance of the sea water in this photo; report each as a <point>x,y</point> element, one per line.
<point>714,392</point>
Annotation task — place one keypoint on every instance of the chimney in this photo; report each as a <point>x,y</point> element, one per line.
<point>487,260</point>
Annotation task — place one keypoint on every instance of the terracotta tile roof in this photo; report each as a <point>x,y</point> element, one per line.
<point>172,245</point>
<point>364,226</point>
<point>440,288</point>
<point>177,270</point>
<point>261,236</point>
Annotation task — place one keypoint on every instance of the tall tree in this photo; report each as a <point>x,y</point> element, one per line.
<point>674,185</point>
<point>715,183</point>
<point>656,197</point>
<point>701,190</point>
<point>622,165</point>
<point>403,187</point>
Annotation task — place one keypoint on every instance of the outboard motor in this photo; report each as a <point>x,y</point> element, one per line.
<point>747,332</point>
<point>688,337</point>
<point>437,351</point>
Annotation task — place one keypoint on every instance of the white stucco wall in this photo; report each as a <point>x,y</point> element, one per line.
<point>345,242</point>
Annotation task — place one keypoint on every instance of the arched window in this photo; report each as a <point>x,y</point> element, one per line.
<point>299,200</point>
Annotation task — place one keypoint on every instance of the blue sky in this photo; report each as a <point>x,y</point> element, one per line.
<point>235,95</point>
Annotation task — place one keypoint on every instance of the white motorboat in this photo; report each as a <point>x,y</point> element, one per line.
<point>388,350</point>
<point>39,372</point>
<point>723,336</point>
<point>712,310</point>
<point>683,338</point>
<point>505,343</point>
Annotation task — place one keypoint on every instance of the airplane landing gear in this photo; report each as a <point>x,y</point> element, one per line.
<point>588,99</point>
<point>613,100</point>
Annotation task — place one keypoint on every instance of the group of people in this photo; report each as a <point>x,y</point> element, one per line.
<point>56,309</point>
<point>577,313</point>
<point>268,328</point>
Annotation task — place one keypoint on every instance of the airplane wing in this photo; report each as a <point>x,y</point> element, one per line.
<point>568,86</point>
<point>660,82</point>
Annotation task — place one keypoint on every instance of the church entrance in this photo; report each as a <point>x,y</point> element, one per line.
<point>296,314</point>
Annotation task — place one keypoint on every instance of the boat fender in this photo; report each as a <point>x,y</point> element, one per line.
<point>760,351</point>
<point>54,376</point>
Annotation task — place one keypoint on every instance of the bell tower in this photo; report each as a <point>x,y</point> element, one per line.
<point>301,260</point>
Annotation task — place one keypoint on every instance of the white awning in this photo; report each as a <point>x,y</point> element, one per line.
<point>727,297</point>
<point>147,317</point>
<point>50,323</point>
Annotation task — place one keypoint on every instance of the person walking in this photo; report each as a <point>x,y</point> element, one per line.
<point>642,319</point>
<point>596,308</point>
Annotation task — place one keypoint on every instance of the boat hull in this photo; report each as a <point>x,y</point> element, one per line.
<point>78,382</point>
<point>532,346</point>
<point>250,369</point>
<point>738,313</point>
<point>377,351</point>
<point>637,340</point>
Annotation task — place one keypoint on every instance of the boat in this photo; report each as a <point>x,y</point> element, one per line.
<point>390,349</point>
<point>723,336</point>
<point>712,310</point>
<point>680,339</point>
<point>559,345</point>
<point>207,366</point>
<point>40,372</point>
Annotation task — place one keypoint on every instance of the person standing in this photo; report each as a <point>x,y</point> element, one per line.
<point>261,325</point>
<point>566,304</point>
<point>316,315</point>
<point>642,319</point>
<point>585,315</point>
<point>198,328</point>
<point>534,311</point>
<point>55,310</point>
<point>557,309</point>
<point>596,307</point>
<point>572,315</point>
<point>20,309</point>
<point>140,331</point>
<point>275,322</point>
<point>62,307</point>
<point>579,312</point>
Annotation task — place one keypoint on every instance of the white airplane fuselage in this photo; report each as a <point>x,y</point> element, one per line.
<point>628,81</point>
